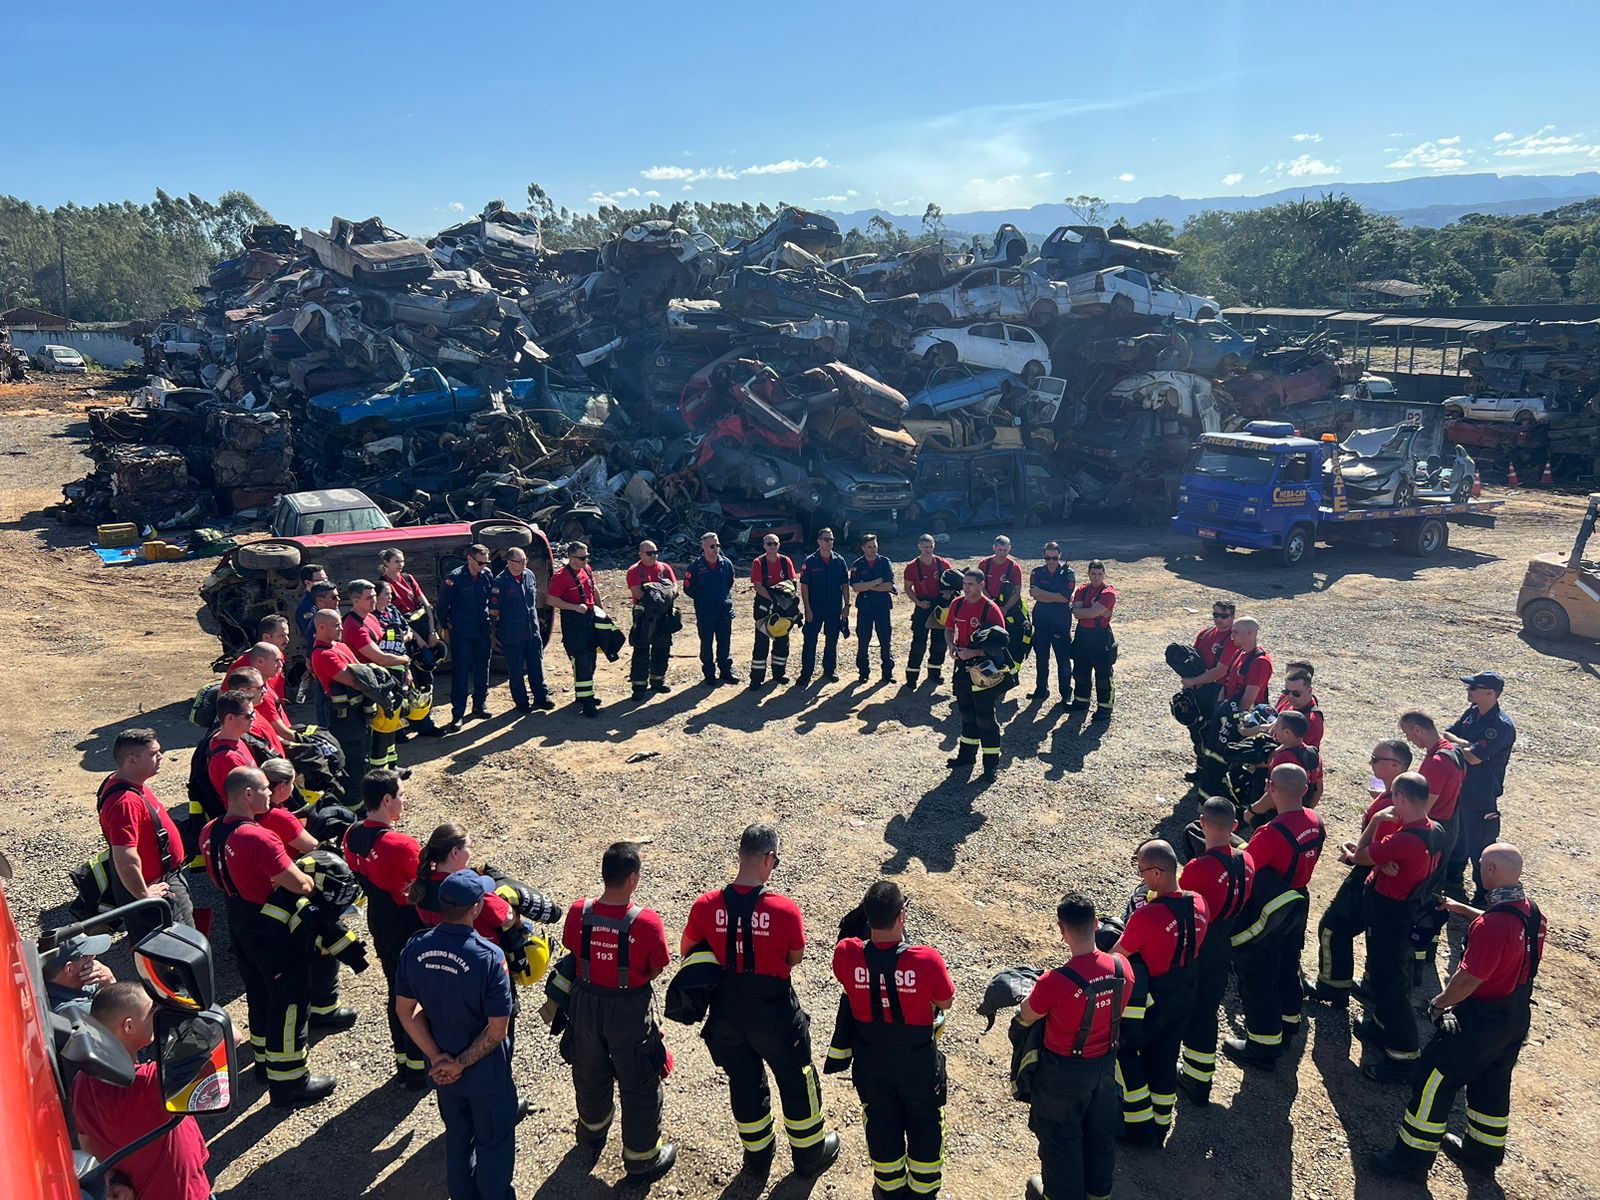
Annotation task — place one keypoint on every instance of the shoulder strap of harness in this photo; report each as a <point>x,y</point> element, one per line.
<point>1233,868</point>
<point>1531,921</point>
<point>622,926</point>
<point>880,980</point>
<point>220,831</point>
<point>1091,994</point>
<point>741,909</point>
<point>1182,909</point>
<point>1296,850</point>
<point>114,787</point>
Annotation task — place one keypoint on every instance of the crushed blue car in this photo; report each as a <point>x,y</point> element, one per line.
<point>960,390</point>
<point>423,398</point>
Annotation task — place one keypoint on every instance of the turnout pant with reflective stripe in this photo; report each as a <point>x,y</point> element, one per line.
<point>979,726</point>
<point>1262,962</point>
<point>480,1146</point>
<point>777,647</point>
<point>1341,923</point>
<point>1291,981</point>
<point>353,732</point>
<point>613,1036</point>
<point>1388,925</point>
<point>1148,1070</point>
<point>324,985</point>
<point>383,754</point>
<point>650,658</point>
<point>277,979</point>
<point>902,1094</point>
<point>1092,661</point>
<point>748,1036</point>
<point>1075,1116</point>
<point>469,670</point>
<point>925,638</point>
<point>1211,982</point>
<point>1480,1057</point>
<point>583,675</point>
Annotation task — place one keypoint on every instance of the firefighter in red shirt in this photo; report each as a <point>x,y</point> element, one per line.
<point>146,845</point>
<point>965,620</point>
<point>1221,876</point>
<point>573,592</point>
<point>1217,650</point>
<point>262,730</point>
<point>897,992</point>
<point>1002,583</point>
<point>385,861</point>
<point>350,719</point>
<point>1343,919</point>
<point>652,640</point>
<point>1445,768</point>
<point>756,1021</point>
<point>1074,1112</point>
<point>1400,844</point>
<point>1272,929</point>
<point>1164,934</point>
<point>1250,669</point>
<point>227,750</point>
<point>266,659</point>
<point>922,579</point>
<point>766,569</point>
<point>1298,696</point>
<point>1289,732</point>
<point>247,863</point>
<point>620,947</point>
<point>1094,646</point>
<point>363,633</point>
<point>1482,1018</point>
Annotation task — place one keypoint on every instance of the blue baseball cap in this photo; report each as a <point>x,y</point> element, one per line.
<point>1488,679</point>
<point>464,888</point>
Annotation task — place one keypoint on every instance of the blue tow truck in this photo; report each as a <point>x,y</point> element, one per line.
<point>1267,488</point>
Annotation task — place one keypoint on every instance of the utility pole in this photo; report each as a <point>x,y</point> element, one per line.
<point>61,249</point>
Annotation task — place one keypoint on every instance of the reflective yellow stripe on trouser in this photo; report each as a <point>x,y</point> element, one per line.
<point>287,1062</point>
<point>1418,1128</point>
<point>1198,1065</point>
<point>807,1131</point>
<point>889,1176</point>
<point>927,1177</point>
<point>1487,1129</point>
<point>1136,1107</point>
<point>582,688</point>
<point>756,1135</point>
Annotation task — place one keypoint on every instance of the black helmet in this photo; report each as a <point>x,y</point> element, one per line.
<point>950,581</point>
<point>1186,709</point>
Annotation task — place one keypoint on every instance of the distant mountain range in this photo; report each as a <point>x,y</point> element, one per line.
<point>1432,201</point>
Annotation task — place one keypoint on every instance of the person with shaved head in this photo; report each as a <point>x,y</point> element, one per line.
<point>1482,1018</point>
<point>350,712</point>
<point>1250,670</point>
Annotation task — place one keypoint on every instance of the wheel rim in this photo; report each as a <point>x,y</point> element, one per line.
<point>1544,618</point>
<point>1296,547</point>
<point>1432,536</point>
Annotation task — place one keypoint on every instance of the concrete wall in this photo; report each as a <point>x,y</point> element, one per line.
<point>109,348</point>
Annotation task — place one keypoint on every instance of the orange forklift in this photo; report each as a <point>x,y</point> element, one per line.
<point>1561,597</point>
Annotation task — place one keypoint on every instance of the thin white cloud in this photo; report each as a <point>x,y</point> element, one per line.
<point>1232,180</point>
<point>1306,166</point>
<point>1308,137</point>
<point>1450,141</point>
<point>1014,178</point>
<point>1504,136</point>
<point>614,198</point>
<point>787,167</point>
<point>1545,143</point>
<point>1431,156</point>
<point>661,173</point>
<point>829,199</point>
<point>1125,177</point>
<point>457,206</point>
<point>1044,174</point>
<point>652,193</point>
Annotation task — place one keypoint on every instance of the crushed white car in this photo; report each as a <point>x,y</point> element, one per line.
<point>996,293</point>
<point>1014,348</point>
<point>1522,410</point>
<point>1127,291</point>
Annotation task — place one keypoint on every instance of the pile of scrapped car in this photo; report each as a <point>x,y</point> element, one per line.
<point>664,382</point>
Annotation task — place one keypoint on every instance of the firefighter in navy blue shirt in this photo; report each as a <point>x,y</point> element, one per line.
<point>708,581</point>
<point>464,597</point>
<point>1485,736</point>
<point>514,605</point>
<point>1051,587</point>
<point>872,580</point>
<point>824,601</point>
<point>453,996</point>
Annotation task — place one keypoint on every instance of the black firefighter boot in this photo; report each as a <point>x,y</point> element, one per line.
<point>967,756</point>
<point>653,1169</point>
<point>936,676</point>
<point>308,1089</point>
<point>911,678</point>
<point>1470,1154</point>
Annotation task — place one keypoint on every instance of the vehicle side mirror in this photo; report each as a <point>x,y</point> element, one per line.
<point>196,1059</point>
<point>89,1046</point>
<point>174,964</point>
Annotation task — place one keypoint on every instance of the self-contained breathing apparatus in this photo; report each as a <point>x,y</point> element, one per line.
<point>527,953</point>
<point>783,610</point>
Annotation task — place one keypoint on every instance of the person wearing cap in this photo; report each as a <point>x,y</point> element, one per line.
<point>73,973</point>
<point>1485,736</point>
<point>453,998</point>
<point>514,608</point>
<point>1051,587</point>
<point>146,847</point>
<point>924,576</point>
<point>614,1041</point>
<point>768,568</point>
<point>652,639</point>
<point>872,580</point>
<point>708,581</point>
<point>825,603</point>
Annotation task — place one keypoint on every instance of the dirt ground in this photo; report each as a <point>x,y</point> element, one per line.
<point>854,777</point>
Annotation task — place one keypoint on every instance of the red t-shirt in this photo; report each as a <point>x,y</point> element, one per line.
<point>496,914</point>
<point>1498,952</point>
<point>776,926</point>
<point>1409,853</point>
<point>328,659</point>
<point>282,824</point>
<point>923,582</point>
<point>1152,933</point>
<point>1287,755</point>
<point>1444,780</point>
<point>648,954</point>
<point>392,863</point>
<point>408,593</point>
<point>1239,677</point>
<point>967,617</point>
<point>125,820</point>
<point>259,727</point>
<point>1268,849</point>
<point>1212,644</point>
<point>574,586</point>
<point>254,857</point>
<point>1379,802</point>
<point>776,572</point>
<point>275,685</point>
<point>270,706</point>
<point>1088,593</point>
<point>173,1167</point>
<point>996,576</point>
<point>226,755</point>
<point>642,573</point>
<point>361,632</point>
<point>1314,722</point>
<point>1206,875</point>
<point>1061,1002</point>
<point>920,978</point>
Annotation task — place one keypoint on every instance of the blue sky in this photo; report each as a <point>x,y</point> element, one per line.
<point>419,112</point>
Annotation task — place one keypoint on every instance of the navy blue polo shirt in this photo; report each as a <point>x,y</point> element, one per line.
<point>460,979</point>
<point>516,600</point>
<point>823,581</point>
<point>1054,617</point>
<point>305,618</point>
<point>464,603</point>
<point>710,587</point>
<point>872,604</point>
<point>1492,735</point>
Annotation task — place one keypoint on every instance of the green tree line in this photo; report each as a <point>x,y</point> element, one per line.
<point>123,261</point>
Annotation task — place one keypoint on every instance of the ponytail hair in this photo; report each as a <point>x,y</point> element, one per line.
<point>441,844</point>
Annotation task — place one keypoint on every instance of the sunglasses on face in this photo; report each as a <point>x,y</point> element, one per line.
<point>648,553</point>
<point>1052,558</point>
<point>1294,695</point>
<point>578,557</point>
<point>1216,616</point>
<point>1376,759</point>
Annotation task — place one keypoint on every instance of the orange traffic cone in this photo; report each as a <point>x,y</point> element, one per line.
<point>1511,476</point>
<point>1547,479</point>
